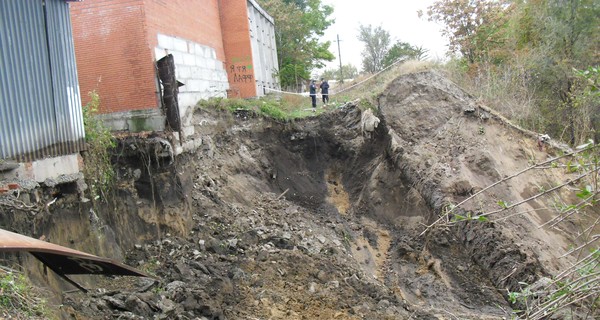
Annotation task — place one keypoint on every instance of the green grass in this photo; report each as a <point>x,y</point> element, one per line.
<point>288,107</point>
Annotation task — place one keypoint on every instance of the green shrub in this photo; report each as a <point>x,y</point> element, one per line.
<point>98,170</point>
<point>273,110</point>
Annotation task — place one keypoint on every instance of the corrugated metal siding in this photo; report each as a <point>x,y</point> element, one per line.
<point>40,115</point>
<point>264,51</point>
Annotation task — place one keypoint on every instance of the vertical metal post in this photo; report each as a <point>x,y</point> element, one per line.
<point>340,56</point>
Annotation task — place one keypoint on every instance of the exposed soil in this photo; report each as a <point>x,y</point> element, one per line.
<point>311,220</point>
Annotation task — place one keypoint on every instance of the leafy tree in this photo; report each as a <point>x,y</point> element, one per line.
<point>473,27</point>
<point>566,34</point>
<point>403,51</point>
<point>299,26</point>
<point>585,97</point>
<point>377,43</point>
<point>348,70</point>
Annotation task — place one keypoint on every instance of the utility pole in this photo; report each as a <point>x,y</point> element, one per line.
<point>340,56</point>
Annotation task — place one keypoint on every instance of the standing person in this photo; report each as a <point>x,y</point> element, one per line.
<point>324,90</point>
<point>313,94</point>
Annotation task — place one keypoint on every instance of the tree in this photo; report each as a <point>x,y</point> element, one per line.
<point>348,70</point>
<point>403,51</point>
<point>565,34</point>
<point>586,100</point>
<point>377,43</point>
<point>473,27</point>
<point>299,25</point>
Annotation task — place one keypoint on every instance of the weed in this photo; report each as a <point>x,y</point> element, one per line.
<point>230,105</point>
<point>19,299</point>
<point>346,238</point>
<point>469,216</point>
<point>273,111</point>
<point>98,170</point>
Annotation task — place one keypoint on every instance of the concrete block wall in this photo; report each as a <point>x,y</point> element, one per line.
<point>28,174</point>
<point>196,66</point>
<point>191,31</point>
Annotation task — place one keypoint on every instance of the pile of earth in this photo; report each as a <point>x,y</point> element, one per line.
<point>311,220</point>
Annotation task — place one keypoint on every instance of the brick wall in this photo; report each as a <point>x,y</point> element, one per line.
<point>194,20</point>
<point>113,55</point>
<point>118,41</point>
<point>238,49</point>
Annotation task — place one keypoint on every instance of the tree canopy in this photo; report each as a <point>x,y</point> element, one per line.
<point>471,26</point>
<point>403,51</point>
<point>299,28</point>
<point>377,43</point>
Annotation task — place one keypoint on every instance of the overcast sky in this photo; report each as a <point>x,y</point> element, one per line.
<point>398,17</point>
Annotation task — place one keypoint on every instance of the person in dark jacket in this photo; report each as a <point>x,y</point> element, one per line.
<point>324,86</point>
<point>313,94</point>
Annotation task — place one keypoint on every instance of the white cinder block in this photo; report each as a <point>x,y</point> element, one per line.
<point>196,72</point>
<point>183,73</point>
<point>165,42</point>
<point>194,85</point>
<point>179,45</point>
<point>177,58</point>
<point>200,62</point>
<point>198,49</point>
<point>203,86</point>
<point>201,74</point>
<point>206,51</point>
<point>189,59</point>
<point>185,101</point>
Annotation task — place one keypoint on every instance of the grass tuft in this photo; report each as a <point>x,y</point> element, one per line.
<point>19,299</point>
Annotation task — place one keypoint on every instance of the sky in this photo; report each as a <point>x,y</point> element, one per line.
<point>398,17</point>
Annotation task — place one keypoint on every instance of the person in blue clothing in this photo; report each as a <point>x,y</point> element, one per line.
<point>313,94</point>
<point>324,90</point>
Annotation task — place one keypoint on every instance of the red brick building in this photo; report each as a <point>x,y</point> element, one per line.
<point>219,47</point>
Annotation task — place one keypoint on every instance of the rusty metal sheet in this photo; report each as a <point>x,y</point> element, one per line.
<point>63,260</point>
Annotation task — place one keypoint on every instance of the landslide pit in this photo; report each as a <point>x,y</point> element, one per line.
<point>311,220</point>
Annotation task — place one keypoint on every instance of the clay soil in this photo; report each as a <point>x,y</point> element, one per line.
<point>311,220</point>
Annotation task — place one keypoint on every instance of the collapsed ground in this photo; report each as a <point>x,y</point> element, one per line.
<point>313,220</point>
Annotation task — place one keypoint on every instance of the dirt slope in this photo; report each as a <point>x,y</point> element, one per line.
<point>311,220</point>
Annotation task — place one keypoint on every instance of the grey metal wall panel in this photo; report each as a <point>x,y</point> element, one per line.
<point>25,76</point>
<point>69,117</point>
<point>264,51</point>
<point>40,112</point>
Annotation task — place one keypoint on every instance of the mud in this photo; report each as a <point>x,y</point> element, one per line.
<point>310,220</point>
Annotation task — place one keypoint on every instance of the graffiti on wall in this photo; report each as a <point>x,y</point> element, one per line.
<point>241,69</point>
